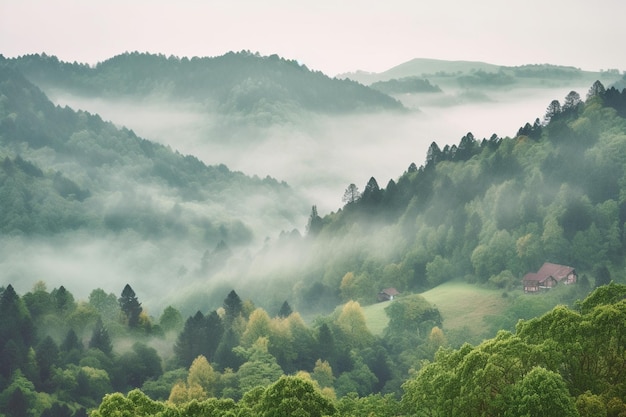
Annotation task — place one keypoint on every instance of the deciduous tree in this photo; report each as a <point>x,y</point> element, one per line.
<point>351,194</point>
<point>293,396</point>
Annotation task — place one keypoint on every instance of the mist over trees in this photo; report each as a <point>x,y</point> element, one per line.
<point>71,182</point>
<point>293,332</point>
<point>487,211</point>
<point>237,82</point>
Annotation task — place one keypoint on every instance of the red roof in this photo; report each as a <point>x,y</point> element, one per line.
<point>532,277</point>
<point>547,270</point>
<point>390,291</point>
<point>558,272</point>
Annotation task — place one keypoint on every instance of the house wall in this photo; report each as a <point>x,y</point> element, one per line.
<point>531,287</point>
<point>571,278</point>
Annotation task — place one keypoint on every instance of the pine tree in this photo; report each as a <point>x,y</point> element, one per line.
<point>62,299</point>
<point>315,223</point>
<point>233,307</point>
<point>16,331</point>
<point>200,336</point>
<point>326,343</point>
<point>285,310</point>
<point>100,338</point>
<point>191,340</point>
<point>130,306</point>
<point>71,342</point>
<point>47,356</point>
<point>372,194</point>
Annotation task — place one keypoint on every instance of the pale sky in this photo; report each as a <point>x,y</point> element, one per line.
<point>329,36</point>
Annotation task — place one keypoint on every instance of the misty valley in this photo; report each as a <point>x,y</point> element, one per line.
<point>243,236</point>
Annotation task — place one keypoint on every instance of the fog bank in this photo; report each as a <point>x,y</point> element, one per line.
<point>320,155</point>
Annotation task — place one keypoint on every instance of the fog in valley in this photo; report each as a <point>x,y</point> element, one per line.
<point>318,156</point>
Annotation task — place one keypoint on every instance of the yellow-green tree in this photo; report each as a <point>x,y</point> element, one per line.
<point>323,373</point>
<point>259,325</point>
<point>201,373</point>
<point>352,323</point>
<point>202,383</point>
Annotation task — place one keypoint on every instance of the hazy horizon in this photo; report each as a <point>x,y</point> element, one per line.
<point>325,36</point>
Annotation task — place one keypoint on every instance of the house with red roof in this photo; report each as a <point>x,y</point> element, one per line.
<point>388,294</point>
<point>548,276</point>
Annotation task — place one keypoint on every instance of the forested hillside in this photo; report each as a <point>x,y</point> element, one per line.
<point>234,83</point>
<point>487,211</point>
<point>65,170</point>
<point>135,220</point>
<point>82,196</point>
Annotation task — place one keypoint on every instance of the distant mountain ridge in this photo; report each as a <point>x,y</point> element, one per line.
<point>235,82</point>
<point>436,68</point>
<point>419,67</point>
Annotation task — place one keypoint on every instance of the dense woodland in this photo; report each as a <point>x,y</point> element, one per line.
<point>487,211</point>
<point>59,166</point>
<point>294,337</point>
<point>240,82</point>
<point>62,357</point>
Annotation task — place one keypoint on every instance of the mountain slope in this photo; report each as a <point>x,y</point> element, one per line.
<point>419,67</point>
<point>104,159</point>
<point>481,75</point>
<point>84,201</point>
<point>236,82</point>
<point>484,211</point>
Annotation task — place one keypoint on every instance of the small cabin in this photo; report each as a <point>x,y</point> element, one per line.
<point>388,294</point>
<point>548,276</point>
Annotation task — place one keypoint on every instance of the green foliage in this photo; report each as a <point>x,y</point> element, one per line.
<point>542,392</point>
<point>54,162</point>
<point>411,314</point>
<point>159,389</point>
<point>100,338</point>
<point>242,82</point>
<point>293,396</point>
<point>488,211</point>
<point>549,367</point>
<point>171,320</point>
<point>130,306</point>
<point>105,304</point>
<point>136,403</point>
<point>16,332</point>
<point>233,308</point>
<point>376,405</point>
<point>260,367</point>
<point>483,211</point>
<point>200,336</point>
<point>137,366</point>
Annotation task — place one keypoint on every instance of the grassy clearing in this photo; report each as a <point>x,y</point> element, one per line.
<point>462,305</point>
<point>376,318</point>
